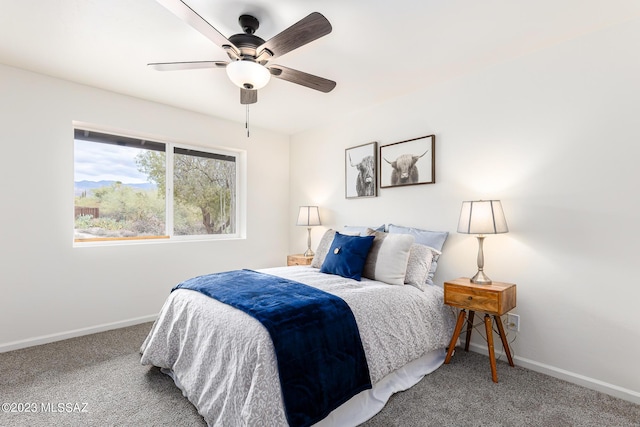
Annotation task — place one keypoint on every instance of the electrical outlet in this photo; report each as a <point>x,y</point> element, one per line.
<point>513,322</point>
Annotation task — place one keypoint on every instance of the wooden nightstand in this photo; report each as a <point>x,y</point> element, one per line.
<point>299,259</point>
<point>495,299</point>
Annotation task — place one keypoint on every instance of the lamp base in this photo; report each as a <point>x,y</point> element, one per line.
<point>309,252</point>
<point>480,278</point>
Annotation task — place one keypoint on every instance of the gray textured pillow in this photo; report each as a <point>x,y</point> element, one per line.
<point>388,257</point>
<point>323,248</point>
<point>419,266</point>
<point>432,239</point>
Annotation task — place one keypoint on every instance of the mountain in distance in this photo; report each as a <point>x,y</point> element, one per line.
<point>88,186</point>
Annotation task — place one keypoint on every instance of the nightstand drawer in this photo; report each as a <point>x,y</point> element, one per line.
<point>299,260</point>
<point>471,299</point>
<point>497,298</point>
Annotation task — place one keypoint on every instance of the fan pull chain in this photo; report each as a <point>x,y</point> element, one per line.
<point>246,123</point>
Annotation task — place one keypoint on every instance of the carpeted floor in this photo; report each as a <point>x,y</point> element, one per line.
<point>97,380</point>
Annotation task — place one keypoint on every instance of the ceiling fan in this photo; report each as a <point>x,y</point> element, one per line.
<point>250,54</point>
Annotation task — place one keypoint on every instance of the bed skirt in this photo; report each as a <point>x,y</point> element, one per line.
<point>367,403</point>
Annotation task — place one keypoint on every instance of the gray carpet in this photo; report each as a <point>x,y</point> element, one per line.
<point>103,372</point>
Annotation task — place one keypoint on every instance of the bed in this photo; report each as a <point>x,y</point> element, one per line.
<point>224,362</point>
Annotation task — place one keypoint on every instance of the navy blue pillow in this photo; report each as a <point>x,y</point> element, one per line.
<point>347,255</point>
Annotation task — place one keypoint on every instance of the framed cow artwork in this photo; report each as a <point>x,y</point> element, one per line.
<point>409,162</point>
<point>360,174</point>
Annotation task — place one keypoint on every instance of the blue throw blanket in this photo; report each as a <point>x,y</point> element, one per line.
<point>321,361</point>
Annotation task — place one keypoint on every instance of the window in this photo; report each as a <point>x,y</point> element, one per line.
<point>134,189</point>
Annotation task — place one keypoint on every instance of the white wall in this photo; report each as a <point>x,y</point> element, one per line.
<point>51,290</point>
<point>555,136</point>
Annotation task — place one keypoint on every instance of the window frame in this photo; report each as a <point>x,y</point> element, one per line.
<point>169,145</point>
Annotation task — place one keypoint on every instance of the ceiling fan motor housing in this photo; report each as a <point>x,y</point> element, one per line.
<point>247,43</point>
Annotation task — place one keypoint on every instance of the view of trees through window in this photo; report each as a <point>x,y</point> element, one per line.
<point>121,189</point>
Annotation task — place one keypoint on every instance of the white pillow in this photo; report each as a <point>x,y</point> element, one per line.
<point>421,258</point>
<point>388,257</point>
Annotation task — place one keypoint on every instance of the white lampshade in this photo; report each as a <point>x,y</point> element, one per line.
<point>308,216</point>
<point>482,217</point>
<point>247,74</point>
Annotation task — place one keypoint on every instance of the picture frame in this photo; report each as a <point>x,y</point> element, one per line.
<point>360,171</point>
<point>410,162</point>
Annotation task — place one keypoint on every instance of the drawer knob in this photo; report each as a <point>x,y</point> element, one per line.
<point>470,298</point>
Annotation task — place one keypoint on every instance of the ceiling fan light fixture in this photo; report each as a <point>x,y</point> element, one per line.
<point>247,74</point>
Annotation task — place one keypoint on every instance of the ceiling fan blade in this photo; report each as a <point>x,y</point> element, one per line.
<point>189,65</point>
<point>248,96</point>
<point>302,32</point>
<point>191,17</point>
<point>302,78</point>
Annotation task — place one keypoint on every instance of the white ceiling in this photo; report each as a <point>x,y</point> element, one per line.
<point>377,50</point>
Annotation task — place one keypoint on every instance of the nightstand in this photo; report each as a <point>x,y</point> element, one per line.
<point>299,259</point>
<point>494,300</point>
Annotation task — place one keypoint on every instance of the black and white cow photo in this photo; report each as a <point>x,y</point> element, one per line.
<point>360,171</point>
<point>408,162</point>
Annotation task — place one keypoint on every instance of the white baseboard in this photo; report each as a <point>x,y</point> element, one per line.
<point>572,377</point>
<point>45,339</point>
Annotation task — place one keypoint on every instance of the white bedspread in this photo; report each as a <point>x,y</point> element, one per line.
<point>223,359</point>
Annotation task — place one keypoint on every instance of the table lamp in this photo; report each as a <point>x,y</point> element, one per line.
<point>482,217</point>
<point>309,217</point>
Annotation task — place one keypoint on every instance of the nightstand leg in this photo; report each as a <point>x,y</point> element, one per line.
<point>456,334</point>
<point>492,354</point>
<point>503,337</point>
<point>469,329</point>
